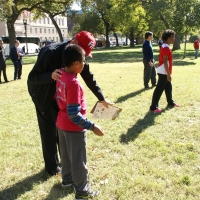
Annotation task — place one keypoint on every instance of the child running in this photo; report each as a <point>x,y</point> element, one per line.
<point>72,124</point>
<point>164,73</point>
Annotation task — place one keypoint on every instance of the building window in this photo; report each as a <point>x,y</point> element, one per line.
<point>52,30</point>
<point>63,22</point>
<point>48,20</point>
<point>44,20</point>
<point>49,30</point>
<point>40,38</point>
<point>45,30</point>
<point>57,39</point>
<point>58,21</point>
<point>35,30</point>
<point>30,30</point>
<point>40,30</point>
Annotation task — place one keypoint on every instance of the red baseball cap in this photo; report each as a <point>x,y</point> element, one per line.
<point>87,41</point>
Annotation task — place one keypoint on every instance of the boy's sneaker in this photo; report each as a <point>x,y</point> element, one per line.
<point>67,184</point>
<point>157,110</point>
<point>90,195</point>
<point>174,105</point>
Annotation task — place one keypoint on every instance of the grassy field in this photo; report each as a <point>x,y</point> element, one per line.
<point>143,156</point>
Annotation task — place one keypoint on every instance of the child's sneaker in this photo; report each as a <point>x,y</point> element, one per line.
<point>67,184</point>
<point>157,110</point>
<point>173,105</point>
<point>90,195</point>
<point>176,105</point>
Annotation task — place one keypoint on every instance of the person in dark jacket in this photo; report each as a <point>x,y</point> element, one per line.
<point>2,62</point>
<point>42,87</point>
<point>148,60</point>
<point>16,55</point>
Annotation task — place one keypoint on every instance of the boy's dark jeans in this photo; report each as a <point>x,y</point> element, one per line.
<point>162,84</point>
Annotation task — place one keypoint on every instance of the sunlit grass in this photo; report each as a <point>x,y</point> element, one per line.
<point>141,156</point>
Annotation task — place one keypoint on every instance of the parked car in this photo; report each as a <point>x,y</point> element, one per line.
<point>32,48</point>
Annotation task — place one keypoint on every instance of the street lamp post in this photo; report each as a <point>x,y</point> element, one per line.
<point>25,28</point>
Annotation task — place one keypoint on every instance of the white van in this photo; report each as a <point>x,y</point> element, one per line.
<point>32,48</point>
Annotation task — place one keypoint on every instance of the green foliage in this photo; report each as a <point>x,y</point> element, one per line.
<point>193,38</point>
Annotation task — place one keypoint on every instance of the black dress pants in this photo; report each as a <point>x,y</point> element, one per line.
<point>162,84</point>
<point>49,136</point>
<point>4,74</point>
<point>149,74</point>
<point>16,69</point>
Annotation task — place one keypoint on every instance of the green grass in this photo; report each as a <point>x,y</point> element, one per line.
<point>143,156</point>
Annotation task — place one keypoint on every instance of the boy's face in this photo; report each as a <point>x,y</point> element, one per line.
<point>171,39</point>
<point>80,65</point>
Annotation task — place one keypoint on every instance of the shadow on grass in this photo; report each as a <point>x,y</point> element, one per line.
<point>22,186</point>
<point>130,95</point>
<point>116,56</point>
<point>182,63</point>
<point>139,127</point>
<point>57,192</point>
<point>27,185</point>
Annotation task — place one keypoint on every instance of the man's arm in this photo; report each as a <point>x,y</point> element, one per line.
<point>90,81</point>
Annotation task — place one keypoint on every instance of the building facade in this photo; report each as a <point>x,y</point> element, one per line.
<point>42,28</point>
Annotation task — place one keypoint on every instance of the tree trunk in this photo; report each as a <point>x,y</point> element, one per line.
<point>132,38</point>
<point>184,54</point>
<point>107,36</point>
<point>56,26</point>
<point>117,42</point>
<point>177,42</point>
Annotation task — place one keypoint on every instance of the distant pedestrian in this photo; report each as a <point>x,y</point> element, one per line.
<point>164,73</point>
<point>2,62</point>
<point>160,42</point>
<point>148,60</point>
<point>16,55</point>
<point>196,47</point>
<point>23,49</point>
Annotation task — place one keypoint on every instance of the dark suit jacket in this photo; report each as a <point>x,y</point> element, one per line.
<point>13,54</point>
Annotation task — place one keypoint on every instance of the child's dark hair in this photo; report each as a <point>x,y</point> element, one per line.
<point>147,34</point>
<point>71,54</point>
<point>167,34</point>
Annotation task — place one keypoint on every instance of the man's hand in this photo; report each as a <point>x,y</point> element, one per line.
<point>151,64</point>
<point>98,130</point>
<point>106,102</point>
<point>56,74</point>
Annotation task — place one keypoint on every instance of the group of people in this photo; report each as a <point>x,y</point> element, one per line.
<point>60,104</point>
<point>164,69</point>
<point>16,54</point>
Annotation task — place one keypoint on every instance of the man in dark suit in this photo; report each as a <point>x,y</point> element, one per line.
<point>16,54</point>
<point>42,88</point>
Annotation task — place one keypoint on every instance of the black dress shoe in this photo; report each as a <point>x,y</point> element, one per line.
<point>57,171</point>
<point>147,88</point>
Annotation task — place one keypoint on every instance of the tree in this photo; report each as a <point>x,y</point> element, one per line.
<point>10,10</point>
